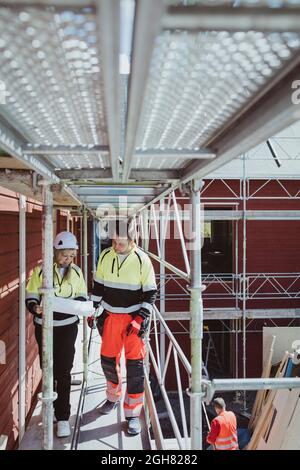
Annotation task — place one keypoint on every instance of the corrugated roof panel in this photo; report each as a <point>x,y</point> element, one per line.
<point>50,65</point>
<point>159,163</point>
<point>236,3</point>
<point>84,161</point>
<point>197,82</point>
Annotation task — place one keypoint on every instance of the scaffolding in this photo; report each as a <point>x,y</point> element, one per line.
<point>115,147</point>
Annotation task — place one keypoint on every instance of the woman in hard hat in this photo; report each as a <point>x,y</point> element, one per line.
<point>68,282</point>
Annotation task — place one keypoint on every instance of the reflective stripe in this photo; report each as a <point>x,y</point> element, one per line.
<point>114,391</point>
<point>120,285</point>
<point>133,404</point>
<point>132,412</point>
<point>111,309</point>
<point>32,295</point>
<point>68,321</point>
<point>136,325</point>
<point>224,439</point>
<point>148,287</point>
<point>225,447</point>
<point>147,306</point>
<point>134,401</point>
<point>96,298</point>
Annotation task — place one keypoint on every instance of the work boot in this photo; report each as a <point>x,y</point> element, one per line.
<point>63,429</point>
<point>134,426</point>
<point>107,407</point>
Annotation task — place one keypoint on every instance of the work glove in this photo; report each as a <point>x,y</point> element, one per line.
<point>137,326</point>
<point>92,319</point>
<point>100,322</point>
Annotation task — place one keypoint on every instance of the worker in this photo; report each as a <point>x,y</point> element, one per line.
<point>223,433</point>
<point>68,282</point>
<point>125,285</point>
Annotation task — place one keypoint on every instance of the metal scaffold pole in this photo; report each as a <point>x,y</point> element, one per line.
<point>47,396</point>
<point>22,316</point>
<point>196,323</point>
<point>145,246</point>
<point>85,274</point>
<point>94,247</point>
<point>244,280</point>
<point>162,273</point>
<point>145,229</point>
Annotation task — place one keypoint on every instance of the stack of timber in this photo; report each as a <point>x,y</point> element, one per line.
<point>261,395</point>
<point>275,420</point>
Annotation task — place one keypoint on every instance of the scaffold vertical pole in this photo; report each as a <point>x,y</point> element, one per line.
<point>162,274</point>
<point>196,323</point>
<point>145,229</point>
<point>47,396</point>
<point>94,246</point>
<point>22,316</point>
<point>85,274</point>
<point>236,322</point>
<point>145,246</point>
<point>244,280</point>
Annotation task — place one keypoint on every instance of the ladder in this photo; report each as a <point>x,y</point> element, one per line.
<point>212,361</point>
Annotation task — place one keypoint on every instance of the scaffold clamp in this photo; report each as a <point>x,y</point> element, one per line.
<point>47,400</point>
<point>207,393</point>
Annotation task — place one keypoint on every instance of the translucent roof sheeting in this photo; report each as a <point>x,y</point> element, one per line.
<point>236,3</point>
<point>198,82</point>
<point>50,64</point>
<point>259,162</point>
<point>79,162</point>
<point>197,97</point>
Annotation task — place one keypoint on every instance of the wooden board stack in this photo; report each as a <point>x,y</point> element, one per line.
<point>275,419</point>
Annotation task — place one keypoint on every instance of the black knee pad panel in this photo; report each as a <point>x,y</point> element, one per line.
<point>135,375</point>
<point>109,369</point>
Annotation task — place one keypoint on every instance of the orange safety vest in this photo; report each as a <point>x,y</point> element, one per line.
<point>227,438</point>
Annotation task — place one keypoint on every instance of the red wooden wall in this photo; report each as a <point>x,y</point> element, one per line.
<point>9,313</point>
<point>9,306</point>
<point>272,247</point>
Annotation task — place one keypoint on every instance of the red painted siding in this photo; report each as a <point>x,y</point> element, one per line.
<point>62,221</point>
<point>33,257</point>
<point>9,296</point>
<point>9,306</point>
<point>272,247</point>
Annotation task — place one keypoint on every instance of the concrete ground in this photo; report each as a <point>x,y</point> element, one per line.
<point>107,432</point>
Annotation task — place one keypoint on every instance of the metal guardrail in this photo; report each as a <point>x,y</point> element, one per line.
<point>160,371</point>
<point>224,286</point>
<point>208,387</point>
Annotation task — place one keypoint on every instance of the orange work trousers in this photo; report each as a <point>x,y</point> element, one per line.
<point>114,339</point>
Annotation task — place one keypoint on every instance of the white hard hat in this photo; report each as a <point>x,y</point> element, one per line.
<point>65,241</point>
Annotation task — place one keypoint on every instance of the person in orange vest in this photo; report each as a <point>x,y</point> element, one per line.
<point>223,433</point>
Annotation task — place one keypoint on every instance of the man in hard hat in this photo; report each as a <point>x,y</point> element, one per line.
<point>125,285</point>
<point>223,433</point>
<point>68,282</point>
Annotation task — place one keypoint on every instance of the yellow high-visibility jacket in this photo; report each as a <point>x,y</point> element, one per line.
<point>125,287</point>
<point>72,287</point>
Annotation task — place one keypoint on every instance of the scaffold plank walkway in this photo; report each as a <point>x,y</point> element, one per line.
<point>105,432</point>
